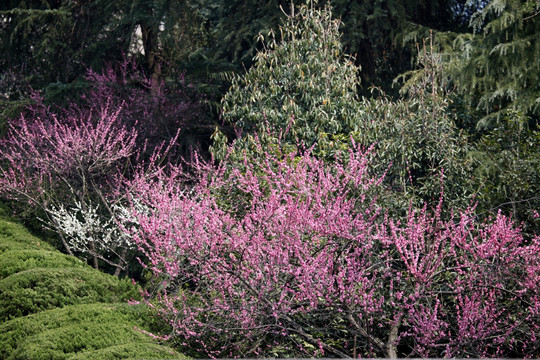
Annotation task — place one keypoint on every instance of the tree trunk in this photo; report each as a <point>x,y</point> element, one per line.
<point>391,344</point>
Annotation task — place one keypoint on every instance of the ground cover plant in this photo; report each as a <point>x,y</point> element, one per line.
<point>55,306</point>
<point>37,289</point>
<point>81,331</point>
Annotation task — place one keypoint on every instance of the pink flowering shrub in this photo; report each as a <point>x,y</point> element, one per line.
<point>71,162</point>
<point>156,108</point>
<point>300,261</point>
<point>69,166</point>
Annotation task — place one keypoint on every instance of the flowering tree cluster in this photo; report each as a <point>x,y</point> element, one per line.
<point>156,108</point>
<point>67,165</point>
<point>71,162</point>
<point>292,256</point>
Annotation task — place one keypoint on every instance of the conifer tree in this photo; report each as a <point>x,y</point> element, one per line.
<point>495,67</point>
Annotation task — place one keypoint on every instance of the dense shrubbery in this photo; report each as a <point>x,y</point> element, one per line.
<point>86,331</point>
<point>76,338</point>
<point>133,350</point>
<point>306,264</point>
<point>70,163</point>
<point>22,333</point>
<point>15,261</point>
<point>303,86</point>
<point>40,289</point>
<point>16,237</point>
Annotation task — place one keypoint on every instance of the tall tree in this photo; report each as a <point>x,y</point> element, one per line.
<point>53,41</point>
<point>301,84</point>
<point>495,65</point>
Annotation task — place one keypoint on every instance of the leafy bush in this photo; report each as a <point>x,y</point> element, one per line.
<point>302,92</point>
<point>508,170</point>
<point>40,289</point>
<point>302,86</point>
<point>56,162</point>
<point>15,261</point>
<point>69,163</point>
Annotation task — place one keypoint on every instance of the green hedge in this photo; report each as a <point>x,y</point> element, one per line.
<point>87,331</point>
<point>38,289</point>
<point>14,236</point>
<point>137,350</point>
<point>88,336</point>
<point>20,331</point>
<point>12,262</point>
<point>54,306</point>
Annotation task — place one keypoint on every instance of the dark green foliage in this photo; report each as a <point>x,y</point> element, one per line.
<point>418,151</point>
<point>15,261</point>
<point>40,289</point>
<point>495,65</point>
<point>302,85</point>
<point>51,42</point>
<point>508,170</point>
<point>234,25</point>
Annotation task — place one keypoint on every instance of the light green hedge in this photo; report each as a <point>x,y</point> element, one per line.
<point>14,236</point>
<point>38,289</point>
<point>54,306</point>
<point>87,331</point>
<point>136,350</point>
<point>12,262</point>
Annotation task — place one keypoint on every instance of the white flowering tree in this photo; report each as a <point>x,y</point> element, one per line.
<point>93,232</point>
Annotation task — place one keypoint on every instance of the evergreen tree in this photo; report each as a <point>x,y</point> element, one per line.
<point>372,32</point>
<point>495,67</point>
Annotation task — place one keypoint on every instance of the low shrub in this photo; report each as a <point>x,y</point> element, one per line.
<point>63,342</point>
<point>15,261</point>
<point>135,350</point>
<point>21,331</point>
<point>14,236</point>
<point>40,289</point>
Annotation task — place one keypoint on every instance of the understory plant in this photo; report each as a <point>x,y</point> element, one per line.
<point>292,256</point>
